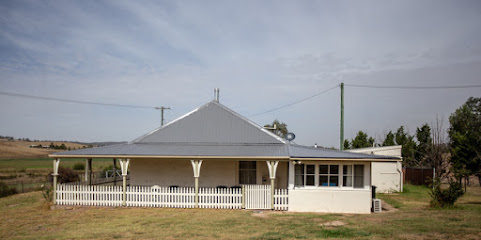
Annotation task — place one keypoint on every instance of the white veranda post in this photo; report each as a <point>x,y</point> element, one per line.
<point>272,166</point>
<point>124,166</point>
<point>196,164</point>
<point>56,163</point>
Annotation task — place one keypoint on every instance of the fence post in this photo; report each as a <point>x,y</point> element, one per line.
<point>243,196</point>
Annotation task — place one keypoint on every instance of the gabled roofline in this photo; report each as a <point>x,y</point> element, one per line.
<point>203,106</point>
<point>250,122</point>
<point>172,122</point>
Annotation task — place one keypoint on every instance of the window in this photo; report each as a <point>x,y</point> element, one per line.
<point>329,175</point>
<point>247,172</point>
<point>310,175</point>
<point>353,175</point>
<point>299,175</point>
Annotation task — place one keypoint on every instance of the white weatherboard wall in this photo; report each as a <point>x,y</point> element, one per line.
<point>386,176</point>
<point>330,201</point>
<point>213,173</point>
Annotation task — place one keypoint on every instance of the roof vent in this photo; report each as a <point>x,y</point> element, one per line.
<point>216,94</point>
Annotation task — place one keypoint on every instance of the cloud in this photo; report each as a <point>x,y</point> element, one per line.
<point>261,54</point>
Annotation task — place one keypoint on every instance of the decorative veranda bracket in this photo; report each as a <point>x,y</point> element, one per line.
<point>56,163</point>
<point>124,165</point>
<point>272,166</point>
<point>196,164</point>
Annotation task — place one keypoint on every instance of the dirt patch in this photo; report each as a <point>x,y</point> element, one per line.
<point>265,214</point>
<point>333,224</point>
<point>386,207</point>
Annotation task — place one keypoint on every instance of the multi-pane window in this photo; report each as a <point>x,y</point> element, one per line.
<point>329,175</point>
<point>247,172</point>
<point>353,176</point>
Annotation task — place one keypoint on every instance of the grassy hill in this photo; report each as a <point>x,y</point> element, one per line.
<point>21,149</point>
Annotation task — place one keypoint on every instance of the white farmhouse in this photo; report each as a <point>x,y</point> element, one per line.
<point>214,158</point>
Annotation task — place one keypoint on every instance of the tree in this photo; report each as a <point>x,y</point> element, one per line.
<point>423,136</point>
<point>362,140</point>
<point>278,128</point>
<point>389,140</point>
<point>408,147</point>
<point>465,138</point>
<point>436,151</point>
<point>347,144</point>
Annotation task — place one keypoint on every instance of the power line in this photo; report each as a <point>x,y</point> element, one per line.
<point>69,100</point>
<point>412,87</point>
<point>296,102</point>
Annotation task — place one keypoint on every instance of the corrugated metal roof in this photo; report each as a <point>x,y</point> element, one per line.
<point>298,151</point>
<point>211,123</point>
<point>214,130</point>
<point>163,149</point>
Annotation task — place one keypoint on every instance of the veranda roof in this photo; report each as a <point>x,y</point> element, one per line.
<point>215,131</point>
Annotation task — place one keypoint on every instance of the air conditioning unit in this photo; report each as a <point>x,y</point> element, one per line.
<point>376,203</point>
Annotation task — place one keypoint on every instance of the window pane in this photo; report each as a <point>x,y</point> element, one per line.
<point>347,176</point>
<point>347,181</point>
<point>358,176</point>
<point>310,169</point>
<point>333,181</point>
<point>247,165</point>
<point>310,180</point>
<point>334,169</point>
<point>247,172</point>
<point>323,169</point>
<point>299,169</point>
<point>299,181</point>
<point>323,181</point>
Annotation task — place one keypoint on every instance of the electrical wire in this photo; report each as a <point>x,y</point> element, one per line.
<point>70,101</point>
<point>412,87</point>
<point>296,102</point>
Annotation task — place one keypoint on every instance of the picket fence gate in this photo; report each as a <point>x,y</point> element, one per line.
<point>255,196</point>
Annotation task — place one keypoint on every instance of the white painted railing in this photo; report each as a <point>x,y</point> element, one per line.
<point>257,196</point>
<point>147,196</point>
<point>281,198</point>
<point>89,195</point>
<point>172,197</point>
<point>226,198</point>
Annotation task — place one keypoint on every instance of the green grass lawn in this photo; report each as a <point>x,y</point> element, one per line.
<point>25,216</point>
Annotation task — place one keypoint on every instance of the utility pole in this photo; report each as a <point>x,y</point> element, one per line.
<point>162,114</point>
<point>342,118</point>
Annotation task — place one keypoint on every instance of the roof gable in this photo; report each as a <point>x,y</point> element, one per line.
<point>211,123</point>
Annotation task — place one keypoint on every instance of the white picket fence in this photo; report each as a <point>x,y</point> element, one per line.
<point>281,198</point>
<point>94,195</point>
<point>256,196</point>
<point>225,198</point>
<point>172,197</point>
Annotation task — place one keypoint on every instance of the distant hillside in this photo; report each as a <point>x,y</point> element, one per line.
<point>21,149</point>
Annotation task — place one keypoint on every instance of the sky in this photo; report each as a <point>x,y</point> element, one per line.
<point>261,54</point>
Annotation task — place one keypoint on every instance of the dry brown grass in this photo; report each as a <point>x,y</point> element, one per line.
<point>25,216</point>
<point>22,149</point>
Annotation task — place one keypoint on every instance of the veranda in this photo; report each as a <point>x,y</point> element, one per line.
<point>243,197</point>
